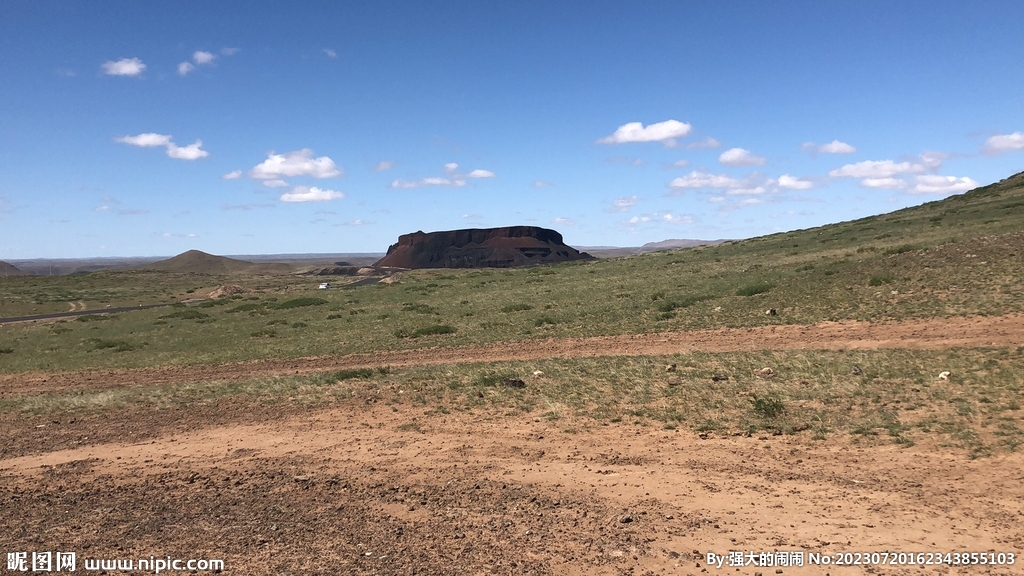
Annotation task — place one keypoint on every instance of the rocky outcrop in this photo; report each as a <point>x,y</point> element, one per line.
<point>480,248</point>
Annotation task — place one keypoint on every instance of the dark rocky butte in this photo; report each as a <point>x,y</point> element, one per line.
<point>480,248</point>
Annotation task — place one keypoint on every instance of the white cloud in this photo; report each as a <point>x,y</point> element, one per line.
<point>384,165</point>
<point>310,194</point>
<point>1004,143</point>
<point>184,68</point>
<point>660,216</point>
<point>698,179</point>
<point>147,140</point>
<point>625,203</point>
<point>665,132</point>
<point>451,167</point>
<point>563,221</point>
<point>836,147</point>
<point>931,184</point>
<point>481,174</point>
<point>740,157</point>
<point>124,67</point>
<point>889,183</point>
<point>103,208</point>
<point>705,143</point>
<point>297,163</point>
<point>275,183</point>
<point>357,222</point>
<point>876,169</point>
<point>542,184</point>
<point>203,57</point>
<point>680,163</point>
<point>400,183</point>
<point>716,199</point>
<point>330,53</point>
<point>193,151</point>
<point>746,191</point>
<point>229,51</point>
<point>233,175</point>
<point>432,181</point>
<point>833,147</point>
<point>793,183</point>
<point>750,201</point>
<point>677,219</point>
<point>933,160</point>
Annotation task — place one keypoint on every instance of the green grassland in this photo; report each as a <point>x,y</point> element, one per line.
<point>959,256</point>
<point>894,398</point>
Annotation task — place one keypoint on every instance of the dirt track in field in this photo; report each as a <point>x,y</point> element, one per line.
<point>998,331</point>
<point>361,488</point>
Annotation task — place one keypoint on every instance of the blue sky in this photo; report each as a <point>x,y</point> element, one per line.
<point>143,128</point>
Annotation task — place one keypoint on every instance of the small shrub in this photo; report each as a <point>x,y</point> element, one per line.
<point>249,307</point>
<point>516,308</point>
<point>116,345</point>
<point>419,308</point>
<point>300,302</point>
<point>879,280</point>
<point>493,378</point>
<point>186,314</point>
<point>432,330</point>
<point>544,320</point>
<point>300,325</point>
<point>900,249</point>
<point>352,373</point>
<point>265,333</point>
<point>425,331</point>
<point>769,407</point>
<point>6,350</point>
<point>335,316</point>
<point>754,289</point>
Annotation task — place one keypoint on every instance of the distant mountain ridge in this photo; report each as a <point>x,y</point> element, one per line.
<point>669,244</point>
<point>199,262</point>
<point>9,270</point>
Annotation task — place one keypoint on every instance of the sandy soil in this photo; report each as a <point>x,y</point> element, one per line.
<point>365,489</point>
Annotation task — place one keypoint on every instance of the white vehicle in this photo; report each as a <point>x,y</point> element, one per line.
<point>324,285</point>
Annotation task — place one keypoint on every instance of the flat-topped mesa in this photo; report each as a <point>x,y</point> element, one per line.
<point>480,248</point>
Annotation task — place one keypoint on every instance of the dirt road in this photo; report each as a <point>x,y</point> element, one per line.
<point>1001,331</point>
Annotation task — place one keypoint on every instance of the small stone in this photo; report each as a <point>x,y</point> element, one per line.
<point>771,312</point>
<point>626,519</point>
<point>719,378</point>
<point>856,371</point>
<point>944,375</point>
<point>670,368</point>
<point>513,383</point>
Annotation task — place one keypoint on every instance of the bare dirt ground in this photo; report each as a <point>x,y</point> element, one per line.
<point>370,489</point>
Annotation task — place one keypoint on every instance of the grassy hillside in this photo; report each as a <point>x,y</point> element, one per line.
<point>959,256</point>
